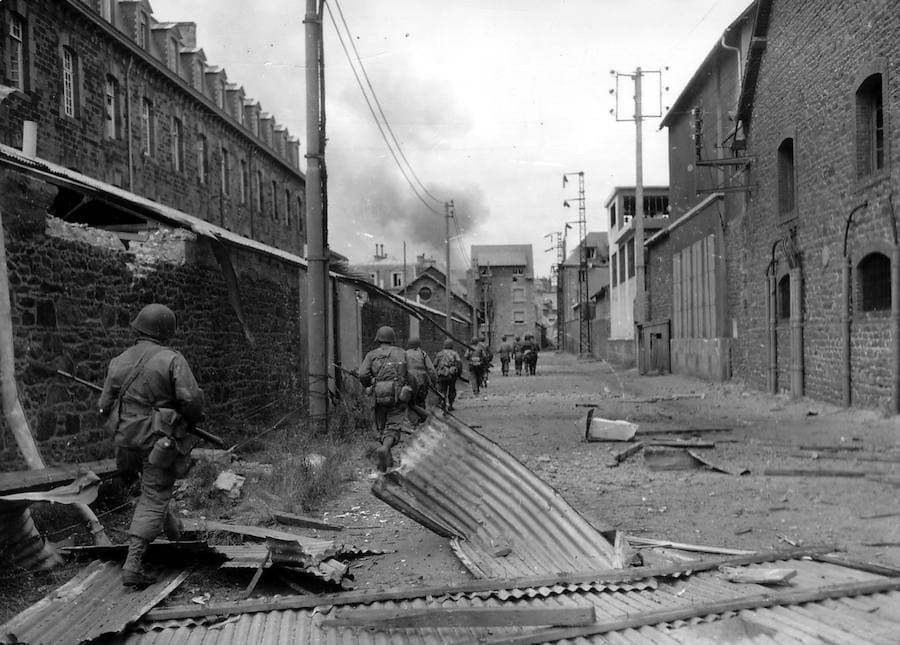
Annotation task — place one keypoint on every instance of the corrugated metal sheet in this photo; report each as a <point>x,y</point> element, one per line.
<point>91,604</point>
<point>862,619</point>
<point>503,520</point>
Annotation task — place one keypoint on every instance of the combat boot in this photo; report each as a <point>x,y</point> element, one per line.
<point>383,455</point>
<point>133,574</point>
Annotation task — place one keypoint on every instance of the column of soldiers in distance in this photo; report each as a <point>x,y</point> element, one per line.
<point>523,354</point>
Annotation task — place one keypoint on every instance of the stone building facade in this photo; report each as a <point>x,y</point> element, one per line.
<point>806,224</point>
<point>502,288</point>
<point>132,101</point>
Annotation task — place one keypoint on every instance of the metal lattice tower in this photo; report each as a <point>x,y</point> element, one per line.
<point>584,320</point>
<point>558,240</point>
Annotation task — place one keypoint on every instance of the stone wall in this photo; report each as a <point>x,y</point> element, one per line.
<point>75,291</point>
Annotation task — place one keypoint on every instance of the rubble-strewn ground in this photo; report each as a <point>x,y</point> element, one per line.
<point>537,420</point>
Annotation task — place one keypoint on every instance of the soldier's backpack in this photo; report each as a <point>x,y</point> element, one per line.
<point>390,377</point>
<point>445,364</point>
<point>475,358</point>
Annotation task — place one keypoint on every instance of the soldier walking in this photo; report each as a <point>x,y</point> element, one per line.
<point>150,398</point>
<point>420,374</point>
<point>448,366</point>
<point>505,351</point>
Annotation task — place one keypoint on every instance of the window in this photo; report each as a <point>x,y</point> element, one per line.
<point>202,159</point>
<point>259,195</point>
<point>396,279</point>
<point>173,55</point>
<point>198,77</point>
<point>622,265</point>
<point>300,213</point>
<point>224,175</point>
<point>631,258</point>
<point>615,269</point>
<point>425,294</point>
<point>143,31</point>
<point>68,76</point>
<point>244,180</point>
<point>107,9</point>
<point>518,317</point>
<point>870,140</point>
<point>784,297</point>
<point>147,134</point>
<point>590,252</point>
<point>177,141</point>
<point>16,70</point>
<point>656,205</point>
<point>786,176</point>
<point>275,200</point>
<point>612,216</point>
<point>112,107</point>
<point>287,206</point>
<point>875,282</point>
<point>518,271</point>
<point>518,294</point>
<point>485,270</point>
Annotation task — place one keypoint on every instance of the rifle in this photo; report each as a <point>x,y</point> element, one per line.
<point>198,432</point>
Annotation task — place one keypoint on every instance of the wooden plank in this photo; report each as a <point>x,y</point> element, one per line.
<point>307,522</point>
<point>47,478</point>
<point>462,617</point>
<point>677,307</point>
<point>622,455</point>
<point>646,431</point>
<point>639,541</point>
<point>758,575</point>
<point>612,576</point>
<point>712,285</point>
<point>868,567</point>
<point>696,610</point>
<point>812,472</point>
<point>681,444</point>
<point>197,525</point>
<point>256,576</point>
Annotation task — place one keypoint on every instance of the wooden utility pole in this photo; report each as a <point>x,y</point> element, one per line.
<point>317,255</point>
<point>640,297</point>
<point>448,207</point>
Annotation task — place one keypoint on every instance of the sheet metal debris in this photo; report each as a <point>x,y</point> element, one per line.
<point>88,606</point>
<point>21,542</point>
<point>460,484</point>
<point>81,491</point>
<point>853,606</point>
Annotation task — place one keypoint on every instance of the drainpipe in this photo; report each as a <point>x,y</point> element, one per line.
<point>895,306</point>
<point>771,302</point>
<point>128,133</point>
<point>796,333</point>
<point>845,311</point>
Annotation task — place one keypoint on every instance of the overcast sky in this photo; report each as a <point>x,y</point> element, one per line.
<point>492,101</point>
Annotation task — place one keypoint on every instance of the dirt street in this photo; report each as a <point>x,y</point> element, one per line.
<point>537,420</point>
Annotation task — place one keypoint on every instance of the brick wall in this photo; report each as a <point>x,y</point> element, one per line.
<point>817,54</point>
<point>75,291</point>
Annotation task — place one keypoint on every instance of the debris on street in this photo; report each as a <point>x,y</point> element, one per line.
<point>597,429</point>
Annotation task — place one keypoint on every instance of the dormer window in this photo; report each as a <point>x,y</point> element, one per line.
<point>518,271</point>
<point>143,31</point>
<point>173,55</point>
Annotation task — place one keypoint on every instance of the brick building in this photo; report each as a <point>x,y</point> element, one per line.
<point>801,217</point>
<point>597,305</point>
<point>132,101</point>
<point>501,283</point>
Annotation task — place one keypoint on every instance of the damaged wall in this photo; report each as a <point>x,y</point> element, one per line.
<point>75,290</point>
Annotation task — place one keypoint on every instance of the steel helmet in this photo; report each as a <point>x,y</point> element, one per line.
<point>448,343</point>
<point>414,342</point>
<point>385,334</point>
<point>155,320</point>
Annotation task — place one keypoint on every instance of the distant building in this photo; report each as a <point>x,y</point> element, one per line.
<point>502,289</point>
<point>389,272</point>
<point>428,288</point>
<point>596,305</point>
<point>116,94</point>
<point>620,209</point>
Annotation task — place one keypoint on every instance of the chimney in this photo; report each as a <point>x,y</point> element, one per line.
<point>29,139</point>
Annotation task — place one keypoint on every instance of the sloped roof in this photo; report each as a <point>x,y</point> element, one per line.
<point>504,255</point>
<point>594,239</point>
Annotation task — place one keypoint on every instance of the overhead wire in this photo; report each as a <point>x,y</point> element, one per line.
<point>378,105</point>
<point>381,128</point>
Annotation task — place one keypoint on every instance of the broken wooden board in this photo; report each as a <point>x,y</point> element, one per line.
<point>684,459</point>
<point>681,444</point>
<point>624,454</point>
<point>306,522</point>
<point>90,605</point>
<point>462,617</point>
<point>758,575</point>
<point>812,472</point>
<point>47,478</point>
<point>640,541</point>
<point>159,551</point>
<point>645,431</point>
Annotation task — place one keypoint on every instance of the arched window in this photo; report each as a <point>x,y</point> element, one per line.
<point>875,282</point>
<point>786,176</point>
<point>870,140</point>
<point>784,297</point>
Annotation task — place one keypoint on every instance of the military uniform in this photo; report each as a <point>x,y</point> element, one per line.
<point>505,351</point>
<point>149,398</point>
<point>384,370</point>
<point>447,365</point>
<point>420,373</point>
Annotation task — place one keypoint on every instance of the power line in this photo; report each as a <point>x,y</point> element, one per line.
<point>378,105</point>
<point>374,116</point>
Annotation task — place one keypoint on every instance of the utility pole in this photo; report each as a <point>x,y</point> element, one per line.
<point>448,213</point>
<point>584,321</point>
<point>317,255</point>
<point>640,261</point>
